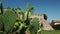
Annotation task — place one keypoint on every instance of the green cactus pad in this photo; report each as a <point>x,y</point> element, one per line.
<point>9,19</point>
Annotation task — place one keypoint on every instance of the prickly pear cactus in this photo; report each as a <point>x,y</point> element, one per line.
<point>1,24</point>
<point>35,25</point>
<point>9,19</point>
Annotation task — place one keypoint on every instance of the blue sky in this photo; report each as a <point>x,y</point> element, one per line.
<point>49,7</point>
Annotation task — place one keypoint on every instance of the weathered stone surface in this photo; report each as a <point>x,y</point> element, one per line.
<point>46,25</point>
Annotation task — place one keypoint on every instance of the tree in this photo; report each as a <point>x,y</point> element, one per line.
<point>1,7</point>
<point>8,7</point>
<point>45,16</point>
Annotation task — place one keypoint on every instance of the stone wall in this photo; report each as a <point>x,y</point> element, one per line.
<point>46,25</point>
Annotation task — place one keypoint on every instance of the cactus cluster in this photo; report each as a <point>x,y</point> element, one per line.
<point>16,21</point>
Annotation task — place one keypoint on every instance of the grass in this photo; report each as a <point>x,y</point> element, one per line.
<point>51,32</point>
